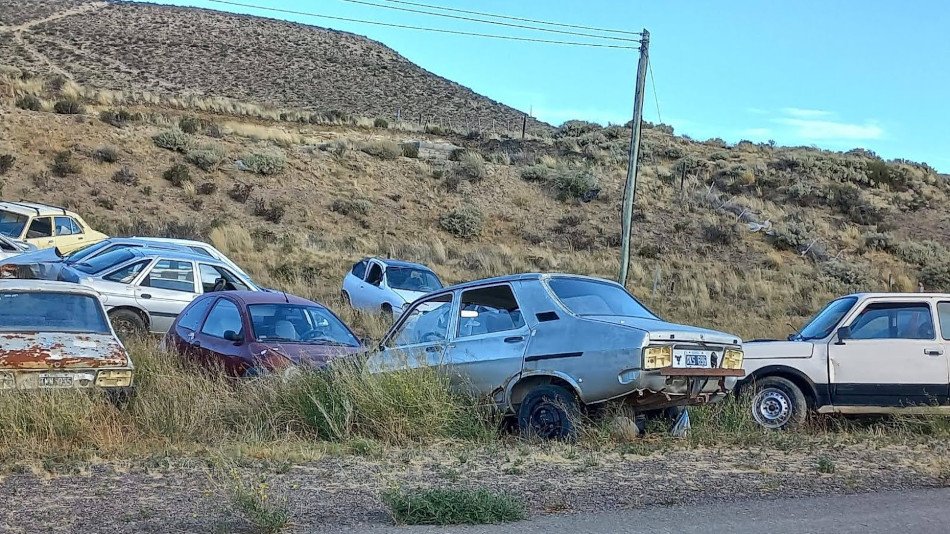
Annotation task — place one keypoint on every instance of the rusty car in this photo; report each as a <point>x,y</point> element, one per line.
<point>543,346</point>
<point>56,335</point>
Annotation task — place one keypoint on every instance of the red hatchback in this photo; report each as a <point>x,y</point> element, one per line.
<point>248,333</point>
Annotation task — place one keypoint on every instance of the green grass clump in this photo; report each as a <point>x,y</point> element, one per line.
<point>453,506</point>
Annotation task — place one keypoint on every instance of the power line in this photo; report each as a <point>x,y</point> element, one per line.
<point>484,21</point>
<point>421,28</point>
<point>506,17</point>
<point>655,99</point>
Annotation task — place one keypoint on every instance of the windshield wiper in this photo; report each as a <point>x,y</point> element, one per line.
<point>328,341</point>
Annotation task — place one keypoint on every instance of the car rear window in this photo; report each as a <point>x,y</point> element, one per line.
<point>590,297</point>
<point>31,311</point>
<point>104,261</point>
<point>12,224</point>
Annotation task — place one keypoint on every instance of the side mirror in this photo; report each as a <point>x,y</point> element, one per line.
<point>844,334</point>
<point>59,253</point>
<point>231,335</point>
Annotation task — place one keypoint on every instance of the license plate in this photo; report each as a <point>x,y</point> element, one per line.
<point>56,381</point>
<point>691,359</point>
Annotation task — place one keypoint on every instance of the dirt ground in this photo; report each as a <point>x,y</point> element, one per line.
<point>341,493</point>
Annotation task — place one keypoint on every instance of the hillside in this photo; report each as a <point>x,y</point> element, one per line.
<point>320,195</point>
<point>171,50</point>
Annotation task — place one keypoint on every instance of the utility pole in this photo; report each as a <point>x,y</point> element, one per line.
<point>630,190</point>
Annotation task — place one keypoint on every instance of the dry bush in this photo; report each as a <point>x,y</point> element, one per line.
<point>29,103</point>
<point>272,211</point>
<point>205,158</point>
<point>265,164</point>
<point>125,176</point>
<point>352,206</point>
<point>64,164</point>
<point>177,174</point>
<point>6,163</point>
<point>383,149</point>
<point>69,107</point>
<point>173,139</point>
<point>464,221</point>
<point>106,154</point>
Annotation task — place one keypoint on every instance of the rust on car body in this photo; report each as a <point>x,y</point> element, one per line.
<point>59,351</point>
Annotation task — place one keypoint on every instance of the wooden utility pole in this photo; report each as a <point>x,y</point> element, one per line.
<point>630,190</point>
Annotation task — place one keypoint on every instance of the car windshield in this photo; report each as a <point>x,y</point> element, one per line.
<point>104,261</point>
<point>412,279</point>
<point>299,323</point>
<point>590,297</point>
<point>86,251</point>
<point>12,224</point>
<point>33,311</point>
<point>822,324</point>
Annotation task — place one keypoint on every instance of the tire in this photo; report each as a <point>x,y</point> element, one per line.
<point>127,324</point>
<point>777,403</point>
<point>346,298</point>
<point>548,412</point>
<point>388,311</point>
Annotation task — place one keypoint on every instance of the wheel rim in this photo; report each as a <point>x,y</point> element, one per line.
<point>124,328</point>
<point>547,421</point>
<point>772,408</point>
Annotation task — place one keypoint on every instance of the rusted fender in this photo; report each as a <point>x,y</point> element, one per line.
<point>60,350</point>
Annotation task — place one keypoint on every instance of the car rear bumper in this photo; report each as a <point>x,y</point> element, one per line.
<point>68,378</point>
<point>678,387</point>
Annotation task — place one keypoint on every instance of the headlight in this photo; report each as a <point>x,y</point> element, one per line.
<point>657,357</point>
<point>114,379</point>
<point>732,359</point>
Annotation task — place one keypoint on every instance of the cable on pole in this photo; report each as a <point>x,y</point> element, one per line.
<point>656,100</point>
<point>421,28</point>
<point>484,21</point>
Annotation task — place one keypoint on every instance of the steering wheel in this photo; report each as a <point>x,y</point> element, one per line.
<point>220,285</point>
<point>430,337</point>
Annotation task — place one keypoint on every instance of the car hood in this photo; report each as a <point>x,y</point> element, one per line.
<point>407,295</point>
<point>35,256</point>
<point>310,355</point>
<point>663,331</point>
<point>778,349</point>
<point>60,350</point>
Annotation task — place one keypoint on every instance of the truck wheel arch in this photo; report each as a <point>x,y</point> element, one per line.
<point>525,383</point>
<point>795,376</point>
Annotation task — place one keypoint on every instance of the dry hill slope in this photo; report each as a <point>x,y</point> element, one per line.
<point>165,49</point>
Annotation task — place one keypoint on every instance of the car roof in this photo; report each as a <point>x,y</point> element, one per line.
<point>21,284</point>
<point>898,295</point>
<point>266,297</point>
<point>389,262</point>
<point>33,208</point>
<point>175,241</point>
<point>521,277</point>
<point>174,254</point>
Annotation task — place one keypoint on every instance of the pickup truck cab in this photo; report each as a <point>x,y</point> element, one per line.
<point>865,353</point>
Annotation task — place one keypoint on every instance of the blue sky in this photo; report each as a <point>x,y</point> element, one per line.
<point>837,74</point>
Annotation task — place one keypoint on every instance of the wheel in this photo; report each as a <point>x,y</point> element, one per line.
<point>127,324</point>
<point>548,412</point>
<point>346,298</point>
<point>388,310</point>
<point>777,403</point>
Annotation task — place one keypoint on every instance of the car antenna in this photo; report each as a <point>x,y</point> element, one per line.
<point>797,331</point>
<point>287,300</point>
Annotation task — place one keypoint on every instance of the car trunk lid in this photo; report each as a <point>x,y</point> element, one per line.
<point>60,350</point>
<point>670,332</point>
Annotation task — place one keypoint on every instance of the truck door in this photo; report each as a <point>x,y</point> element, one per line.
<point>892,358</point>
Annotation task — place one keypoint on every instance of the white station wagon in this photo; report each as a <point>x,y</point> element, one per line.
<point>863,353</point>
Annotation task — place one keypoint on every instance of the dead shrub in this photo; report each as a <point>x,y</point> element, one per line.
<point>6,163</point>
<point>207,188</point>
<point>382,149</point>
<point>69,106</point>
<point>241,192</point>
<point>106,154</point>
<point>125,176</point>
<point>64,165</point>
<point>352,206</point>
<point>272,211</point>
<point>178,174</point>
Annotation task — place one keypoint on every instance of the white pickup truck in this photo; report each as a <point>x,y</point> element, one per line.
<point>862,354</point>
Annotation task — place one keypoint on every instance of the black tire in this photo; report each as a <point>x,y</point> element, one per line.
<point>548,412</point>
<point>127,324</point>
<point>777,403</point>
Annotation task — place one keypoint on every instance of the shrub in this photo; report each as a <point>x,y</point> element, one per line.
<point>853,276</point>
<point>207,188</point>
<point>471,167</point>
<point>6,163</point>
<point>29,103</point>
<point>63,164</point>
<point>42,180</point>
<point>381,123</point>
<point>177,174</point>
<point>105,202</point>
<point>453,506</point>
<point>106,154</point>
<point>265,164</point>
<point>119,117</point>
<point>536,173</point>
<point>335,115</point>
<point>354,206</point>
<point>920,253</point>
<point>572,184</point>
<point>69,106</point>
<point>410,150</point>
<point>191,125</point>
<point>241,192</point>
<point>434,129</point>
<point>272,211</point>
<point>721,234</point>
<point>576,128</point>
<point>382,149</point>
<point>205,158</point>
<point>173,139</point>
<point>878,241</point>
<point>793,234</point>
<point>125,176</point>
<point>464,221</point>
<point>936,276</point>
<point>214,130</point>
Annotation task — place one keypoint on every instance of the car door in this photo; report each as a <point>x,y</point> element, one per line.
<point>68,235</point>
<point>891,358</point>
<point>212,275</point>
<point>186,327</point>
<point>165,290</point>
<point>210,343</point>
<point>353,281</point>
<point>490,339</point>
<point>371,292</point>
<point>419,339</point>
<point>40,232</point>
<point>943,319</point>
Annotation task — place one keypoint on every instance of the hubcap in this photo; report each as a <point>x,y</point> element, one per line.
<point>772,408</point>
<point>548,420</point>
<point>124,328</point>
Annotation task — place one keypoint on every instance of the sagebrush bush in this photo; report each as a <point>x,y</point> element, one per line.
<point>265,164</point>
<point>205,158</point>
<point>191,125</point>
<point>173,139</point>
<point>6,163</point>
<point>382,149</point>
<point>64,164</point>
<point>410,150</point>
<point>572,183</point>
<point>106,154</point>
<point>125,176</point>
<point>69,106</point>
<point>29,103</point>
<point>853,276</point>
<point>464,221</point>
<point>352,206</point>
<point>936,276</point>
<point>471,167</point>
<point>381,123</point>
<point>794,233</point>
<point>178,174</point>
<point>536,173</point>
<point>119,117</point>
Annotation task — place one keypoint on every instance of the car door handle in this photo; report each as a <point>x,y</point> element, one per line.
<point>514,339</point>
<point>434,348</point>
<point>933,352</point>
<point>145,296</point>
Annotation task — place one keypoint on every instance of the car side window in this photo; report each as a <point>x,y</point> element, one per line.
<point>426,322</point>
<point>488,310</point>
<point>173,275</point>
<point>65,226</point>
<point>224,316</point>
<point>943,312</point>
<point>217,278</point>
<point>125,275</point>
<point>375,275</point>
<point>191,318</point>
<point>40,227</point>
<point>200,251</point>
<point>894,321</point>
<point>359,269</point>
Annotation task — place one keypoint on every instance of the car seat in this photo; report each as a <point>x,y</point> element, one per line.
<point>499,321</point>
<point>285,329</point>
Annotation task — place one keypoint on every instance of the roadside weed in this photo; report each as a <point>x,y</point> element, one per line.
<point>256,501</point>
<point>825,465</point>
<point>453,506</point>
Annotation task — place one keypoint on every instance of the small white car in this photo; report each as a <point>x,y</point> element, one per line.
<point>868,353</point>
<point>387,286</point>
<point>10,248</point>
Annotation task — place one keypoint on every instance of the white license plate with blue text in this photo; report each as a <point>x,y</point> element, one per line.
<point>686,358</point>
